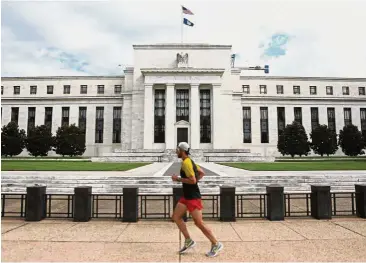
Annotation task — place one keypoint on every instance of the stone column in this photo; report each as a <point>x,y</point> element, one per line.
<point>215,110</point>
<point>195,116</point>
<point>148,116</point>
<point>169,117</point>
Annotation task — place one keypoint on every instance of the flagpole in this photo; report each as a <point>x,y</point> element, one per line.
<point>181,26</point>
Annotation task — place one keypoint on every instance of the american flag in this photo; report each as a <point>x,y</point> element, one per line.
<point>186,11</point>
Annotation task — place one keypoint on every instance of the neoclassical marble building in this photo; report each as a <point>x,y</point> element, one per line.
<point>183,92</point>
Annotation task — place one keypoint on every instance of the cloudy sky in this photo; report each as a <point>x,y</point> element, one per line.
<point>296,38</point>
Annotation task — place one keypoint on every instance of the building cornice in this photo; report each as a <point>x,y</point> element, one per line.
<point>61,78</point>
<point>117,96</point>
<point>294,98</point>
<point>183,70</point>
<point>182,46</point>
<point>302,78</point>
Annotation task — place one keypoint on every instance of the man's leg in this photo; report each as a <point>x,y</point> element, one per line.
<point>179,211</point>
<point>198,220</point>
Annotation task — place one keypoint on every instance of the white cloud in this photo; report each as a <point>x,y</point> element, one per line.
<point>327,37</point>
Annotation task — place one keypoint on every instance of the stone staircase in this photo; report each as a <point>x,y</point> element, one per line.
<point>112,184</point>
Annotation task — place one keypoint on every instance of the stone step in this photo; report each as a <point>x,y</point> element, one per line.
<point>127,159</point>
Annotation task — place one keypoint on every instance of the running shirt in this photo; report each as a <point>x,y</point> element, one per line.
<point>188,169</point>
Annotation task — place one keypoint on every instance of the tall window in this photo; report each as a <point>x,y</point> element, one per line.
<point>100,89</point>
<point>314,118</point>
<point>99,124</point>
<point>48,117</point>
<point>312,90</point>
<point>117,124</point>
<point>247,125</point>
<point>263,89</point>
<point>82,119</point>
<point>347,116</point>
<point>363,122</point>
<point>2,90</point>
<point>279,89</point>
<point>159,116</point>
<point>329,90</point>
<point>361,90</point>
<point>66,89</point>
<point>246,89</point>
<point>331,119</point>
<point>264,125</point>
<point>281,120</point>
<point>50,89</point>
<point>298,114</point>
<point>205,116</point>
<point>16,90</point>
<point>14,114</point>
<point>33,90</point>
<point>345,90</point>
<point>65,116</point>
<point>83,89</point>
<point>296,89</point>
<point>31,118</point>
<point>117,89</point>
<point>182,102</point>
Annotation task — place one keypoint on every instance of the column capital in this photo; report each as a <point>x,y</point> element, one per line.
<point>170,85</point>
<point>195,85</point>
<point>216,85</point>
<point>148,85</point>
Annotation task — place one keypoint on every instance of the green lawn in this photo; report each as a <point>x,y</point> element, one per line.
<point>301,166</point>
<point>66,166</point>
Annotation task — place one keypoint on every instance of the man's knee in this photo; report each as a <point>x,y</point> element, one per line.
<point>176,218</point>
<point>199,223</point>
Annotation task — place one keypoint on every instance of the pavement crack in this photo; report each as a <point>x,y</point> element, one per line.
<point>236,232</point>
<point>24,224</point>
<point>348,229</point>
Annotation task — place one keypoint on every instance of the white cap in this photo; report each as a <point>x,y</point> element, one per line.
<point>183,146</point>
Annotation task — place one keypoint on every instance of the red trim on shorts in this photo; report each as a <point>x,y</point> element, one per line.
<point>191,204</point>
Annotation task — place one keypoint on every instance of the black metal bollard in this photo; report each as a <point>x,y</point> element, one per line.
<point>35,203</point>
<point>130,204</point>
<point>227,204</point>
<point>321,203</point>
<point>177,194</point>
<point>360,190</point>
<point>275,203</point>
<point>82,203</point>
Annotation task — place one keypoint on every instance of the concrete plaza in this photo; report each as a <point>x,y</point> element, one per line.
<point>340,239</point>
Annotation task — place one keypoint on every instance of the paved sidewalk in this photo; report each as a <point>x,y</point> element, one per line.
<point>341,239</point>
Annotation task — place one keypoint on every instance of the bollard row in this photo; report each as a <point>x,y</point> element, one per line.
<point>320,198</point>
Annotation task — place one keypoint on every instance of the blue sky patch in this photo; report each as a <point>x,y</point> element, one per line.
<point>276,45</point>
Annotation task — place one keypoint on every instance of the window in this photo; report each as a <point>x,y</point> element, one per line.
<point>14,114</point>
<point>49,89</point>
<point>296,89</point>
<point>363,122</point>
<point>298,114</point>
<point>281,120</point>
<point>247,125</point>
<point>31,118</point>
<point>345,90</point>
<point>117,89</point>
<point>361,90</point>
<point>329,90</point>
<point>117,124</point>
<point>33,90</point>
<point>65,116</point>
<point>16,90</point>
<point>279,89</point>
<point>99,124</point>
<point>331,119</point>
<point>159,116</point>
<point>263,89</point>
<point>347,116</point>
<point>182,102</point>
<point>100,89</point>
<point>66,89</point>
<point>246,89</point>
<point>264,125</point>
<point>82,119</point>
<point>314,118</point>
<point>205,116</point>
<point>312,90</point>
<point>2,90</point>
<point>83,89</point>
<point>48,117</point>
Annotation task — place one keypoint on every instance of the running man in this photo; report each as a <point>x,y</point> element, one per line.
<point>190,174</point>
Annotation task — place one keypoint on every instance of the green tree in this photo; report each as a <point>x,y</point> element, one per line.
<point>12,139</point>
<point>295,140</point>
<point>323,140</point>
<point>39,141</point>
<point>69,140</point>
<point>351,140</point>
<point>281,144</point>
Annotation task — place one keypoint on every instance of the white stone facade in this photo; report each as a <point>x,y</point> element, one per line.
<point>172,67</point>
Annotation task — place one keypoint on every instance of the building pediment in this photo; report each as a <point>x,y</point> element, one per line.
<point>182,123</point>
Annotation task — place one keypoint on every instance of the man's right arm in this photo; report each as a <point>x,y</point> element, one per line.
<point>201,173</point>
